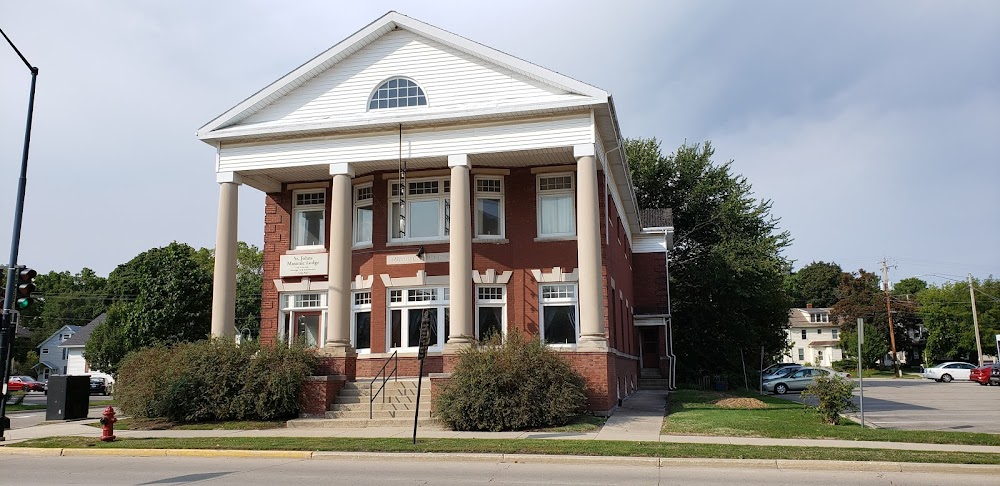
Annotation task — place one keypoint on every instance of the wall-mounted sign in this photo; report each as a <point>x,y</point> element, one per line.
<point>304,265</point>
<point>407,259</point>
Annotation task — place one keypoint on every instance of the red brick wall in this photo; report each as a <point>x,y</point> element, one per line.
<point>318,392</point>
<point>651,283</point>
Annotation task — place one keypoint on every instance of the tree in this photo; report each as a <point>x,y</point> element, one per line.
<point>726,270</point>
<point>909,287</point>
<point>947,316</point>
<point>162,296</point>
<point>875,347</point>
<point>816,283</point>
<point>249,285</point>
<point>861,297</point>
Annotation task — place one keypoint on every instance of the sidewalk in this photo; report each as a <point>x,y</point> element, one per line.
<point>638,419</point>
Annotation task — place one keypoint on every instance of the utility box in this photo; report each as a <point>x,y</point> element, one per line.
<point>68,397</point>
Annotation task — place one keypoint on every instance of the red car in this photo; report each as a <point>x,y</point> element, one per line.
<point>981,375</point>
<point>26,383</point>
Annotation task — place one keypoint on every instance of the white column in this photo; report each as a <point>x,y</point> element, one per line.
<point>588,244</point>
<point>338,325</point>
<point>224,284</point>
<point>460,256</point>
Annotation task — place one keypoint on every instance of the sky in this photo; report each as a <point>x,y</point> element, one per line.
<point>873,127</point>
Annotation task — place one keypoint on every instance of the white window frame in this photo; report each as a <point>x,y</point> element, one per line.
<point>479,195</point>
<point>819,317</point>
<point>406,301</point>
<point>359,303</point>
<point>802,354</point>
<point>45,350</point>
<point>558,301</point>
<point>358,205</point>
<point>443,196</point>
<point>834,334</point>
<point>540,194</point>
<point>297,209</point>
<point>805,334</point>
<point>492,302</point>
<point>288,306</point>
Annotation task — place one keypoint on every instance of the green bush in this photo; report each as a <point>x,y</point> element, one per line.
<point>847,364</point>
<point>835,395</point>
<point>213,380</point>
<point>515,385</point>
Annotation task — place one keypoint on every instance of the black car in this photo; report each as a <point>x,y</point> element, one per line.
<point>98,386</point>
<point>995,374</point>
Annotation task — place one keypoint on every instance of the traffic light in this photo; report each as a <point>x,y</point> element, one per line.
<point>25,286</point>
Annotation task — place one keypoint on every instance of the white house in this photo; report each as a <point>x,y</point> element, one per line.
<point>813,337</point>
<point>52,357</point>
<point>73,347</point>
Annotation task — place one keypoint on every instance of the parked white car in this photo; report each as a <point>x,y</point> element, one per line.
<point>952,370</point>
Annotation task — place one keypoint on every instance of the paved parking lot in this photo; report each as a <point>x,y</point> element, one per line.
<point>928,405</point>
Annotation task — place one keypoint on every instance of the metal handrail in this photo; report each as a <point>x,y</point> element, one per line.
<point>385,378</point>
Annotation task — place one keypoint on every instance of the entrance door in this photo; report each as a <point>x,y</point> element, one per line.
<point>305,326</point>
<point>650,337</point>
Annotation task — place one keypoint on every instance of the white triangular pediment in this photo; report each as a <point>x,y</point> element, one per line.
<point>456,76</point>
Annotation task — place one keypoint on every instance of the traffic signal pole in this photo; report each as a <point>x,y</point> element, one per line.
<point>7,324</point>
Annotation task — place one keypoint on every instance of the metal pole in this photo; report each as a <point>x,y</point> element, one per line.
<point>975,321</point>
<point>416,413</point>
<point>861,378</point>
<point>888,311</point>
<point>7,325</point>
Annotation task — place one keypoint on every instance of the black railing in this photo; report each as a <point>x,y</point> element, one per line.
<point>385,378</point>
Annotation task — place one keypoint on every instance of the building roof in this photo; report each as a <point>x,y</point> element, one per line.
<point>816,344</point>
<point>799,317</point>
<point>74,329</point>
<point>45,364</point>
<point>656,218</point>
<point>83,334</point>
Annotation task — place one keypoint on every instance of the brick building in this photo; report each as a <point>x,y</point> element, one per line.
<point>412,174</point>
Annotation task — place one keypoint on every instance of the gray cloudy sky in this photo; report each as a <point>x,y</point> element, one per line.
<point>874,127</point>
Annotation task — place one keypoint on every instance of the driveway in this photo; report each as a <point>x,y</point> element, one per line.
<point>927,405</point>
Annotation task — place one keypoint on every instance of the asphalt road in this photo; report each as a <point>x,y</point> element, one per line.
<point>111,470</point>
<point>928,405</point>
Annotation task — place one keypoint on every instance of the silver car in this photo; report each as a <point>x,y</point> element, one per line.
<point>799,379</point>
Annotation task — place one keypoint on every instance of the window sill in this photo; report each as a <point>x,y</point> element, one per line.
<point>495,241</point>
<point>301,251</point>
<point>362,246</point>
<point>542,239</point>
<point>416,242</point>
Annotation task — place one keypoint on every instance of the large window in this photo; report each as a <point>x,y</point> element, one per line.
<point>819,317</point>
<point>489,207</point>
<point>395,93</point>
<point>490,316</point>
<point>302,318</point>
<point>427,212</point>
<point>556,205</point>
<point>363,214</point>
<point>309,219</point>
<point>408,308</point>
<point>559,316</point>
<point>361,321</point>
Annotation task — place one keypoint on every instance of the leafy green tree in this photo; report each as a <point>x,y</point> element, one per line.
<point>909,287</point>
<point>727,270</point>
<point>947,316</point>
<point>817,283</point>
<point>162,296</point>
<point>249,285</point>
<point>875,347</point>
<point>861,297</point>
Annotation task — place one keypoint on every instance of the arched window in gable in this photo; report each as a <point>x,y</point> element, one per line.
<point>397,92</point>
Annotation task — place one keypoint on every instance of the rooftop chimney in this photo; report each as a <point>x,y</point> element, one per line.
<point>809,306</point>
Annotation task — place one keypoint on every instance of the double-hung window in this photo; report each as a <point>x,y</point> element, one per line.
<point>361,321</point>
<point>489,207</point>
<point>408,308</point>
<point>560,317</point>
<point>556,205</point>
<point>804,334</point>
<point>309,219</point>
<point>490,312</point>
<point>834,334</point>
<point>363,214</point>
<point>819,317</point>
<point>426,213</point>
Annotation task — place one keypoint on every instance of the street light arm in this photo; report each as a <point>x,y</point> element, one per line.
<point>33,69</point>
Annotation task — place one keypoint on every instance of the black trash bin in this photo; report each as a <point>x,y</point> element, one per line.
<point>68,397</point>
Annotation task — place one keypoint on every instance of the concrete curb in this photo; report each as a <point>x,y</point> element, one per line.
<point>777,464</point>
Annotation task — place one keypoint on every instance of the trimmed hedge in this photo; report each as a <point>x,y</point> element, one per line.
<point>213,380</point>
<point>516,385</point>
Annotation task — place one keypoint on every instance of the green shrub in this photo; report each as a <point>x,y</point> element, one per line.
<point>515,385</point>
<point>846,364</point>
<point>835,395</point>
<point>213,380</point>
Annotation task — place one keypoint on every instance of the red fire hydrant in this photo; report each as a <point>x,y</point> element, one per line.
<point>108,425</point>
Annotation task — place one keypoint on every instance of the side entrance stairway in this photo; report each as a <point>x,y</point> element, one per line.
<point>651,379</point>
<point>394,407</point>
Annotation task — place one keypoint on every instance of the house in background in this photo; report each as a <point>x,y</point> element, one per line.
<point>76,364</point>
<point>414,175</point>
<point>813,337</point>
<point>52,357</point>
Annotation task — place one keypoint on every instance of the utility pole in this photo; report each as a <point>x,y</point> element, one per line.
<point>975,321</point>
<point>888,310</point>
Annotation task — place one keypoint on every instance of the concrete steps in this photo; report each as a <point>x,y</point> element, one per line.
<point>653,383</point>
<point>395,406</point>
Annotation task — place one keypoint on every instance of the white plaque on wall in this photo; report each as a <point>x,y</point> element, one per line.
<point>304,265</point>
<point>411,259</point>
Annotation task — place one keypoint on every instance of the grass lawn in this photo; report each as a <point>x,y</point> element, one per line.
<point>890,374</point>
<point>694,412</point>
<point>141,424</point>
<point>580,423</point>
<point>521,446</point>
<point>22,407</point>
